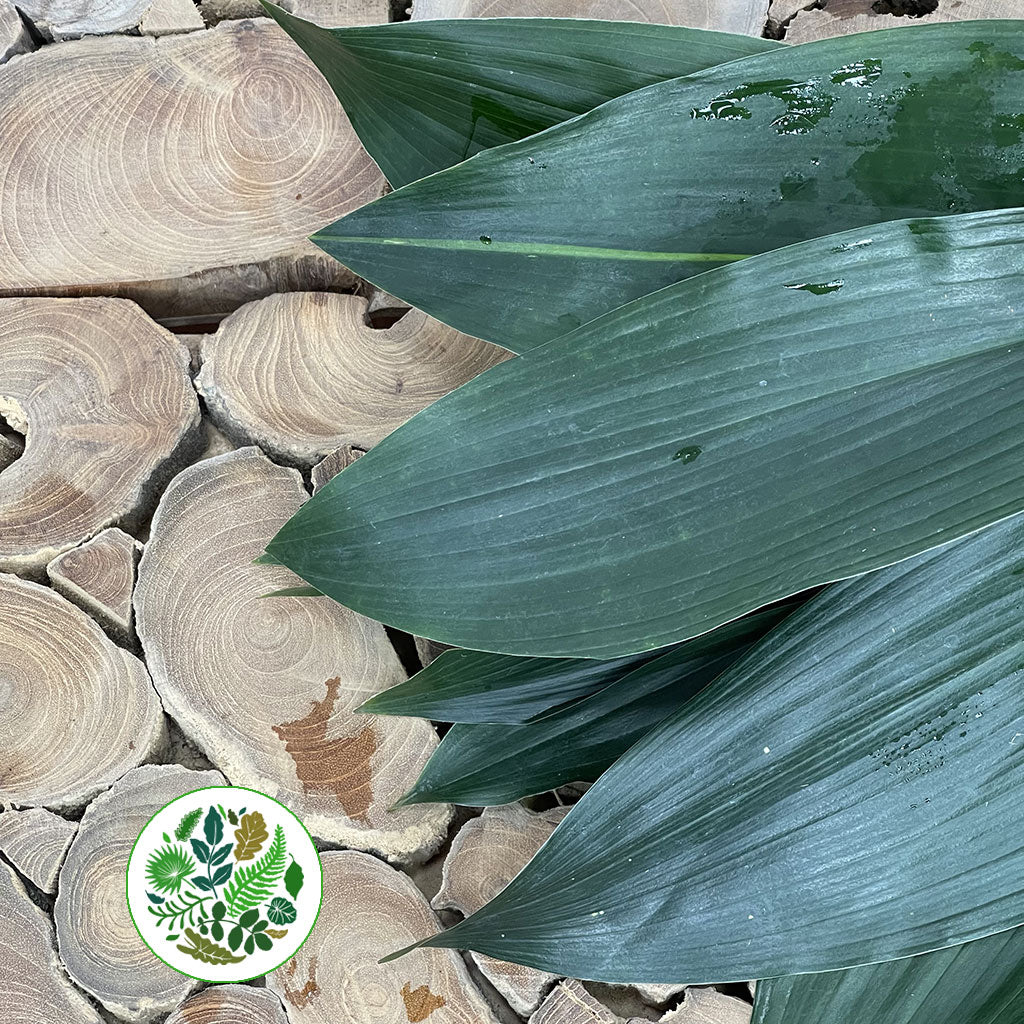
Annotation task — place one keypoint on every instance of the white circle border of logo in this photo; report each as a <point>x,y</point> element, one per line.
<point>279,876</point>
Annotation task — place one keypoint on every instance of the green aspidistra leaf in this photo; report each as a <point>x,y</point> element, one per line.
<point>424,95</point>
<point>525,242</point>
<point>979,982</point>
<point>699,453</point>
<point>846,793</point>
<point>495,764</point>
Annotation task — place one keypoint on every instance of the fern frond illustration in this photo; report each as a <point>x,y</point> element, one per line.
<point>187,825</point>
<point>168,867</point>
<point>174,912</point>
<point>254,883</point>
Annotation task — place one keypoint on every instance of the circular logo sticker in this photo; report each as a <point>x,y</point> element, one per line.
<point>224,884</point>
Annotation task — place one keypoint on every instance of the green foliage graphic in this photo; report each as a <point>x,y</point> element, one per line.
<point>253,884</point>
<point>187,825</point>
<point>217,903</point>
<point>168,867</point>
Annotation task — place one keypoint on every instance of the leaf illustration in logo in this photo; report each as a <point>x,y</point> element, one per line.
<point>262,940</point>
<point>167,868</point>
<point>235,937</point>
<point>200,882</point>
<point>293,878</point>
<point>251,836</point>
<point>253,883</point>
<point>277,933</point>
<point>201,850</point>
<point>153,898</point>
<point>187,825</point>
<point>221,853</point>
<point>232,817</point>
<point>281,911</point>
<point>222,874</point>
<point>208,951</point>
<point>213,827</point>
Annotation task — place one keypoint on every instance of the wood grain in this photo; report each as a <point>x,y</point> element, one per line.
<point>14,37</point>
<point>104,396</point>
<point>329,13</point>
<point>485,856</point>
<point>842,17</point>
<point>33,987</point>
<point>302,374</point>
<point>369,910</point>
<point>35,842</point>
<point>266,687</point>
<point>230,1004</point>
<point>167,17</point>
<point>570,1003</point>
<point>98,943</point>
<point>76,711</point>
<point>746,16</point>
<point>708,1006</point>
<point>185,171</point>
<point>99,576</point>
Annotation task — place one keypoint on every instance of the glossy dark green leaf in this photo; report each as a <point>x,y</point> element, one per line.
<point>847,793</point>
<point>979,982</point>
<point>523,243</point>
<point>496,764</point>
<point>425,95</point>
<point>473,686</point>
<point>699,453</point>
<point>293,592</point>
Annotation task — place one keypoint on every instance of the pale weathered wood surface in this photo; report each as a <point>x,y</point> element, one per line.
<point>14,37</point>
<point>331,465</point>
<point>570,1003</point>
<point>185,171</point>
<point>98,943</point>
<point>302,374</point>
<point>78,710</point>
<point>33,987</point>
<point>746,16</point>
<point>708,1006</point>
<point>104,396</point>
<point>369,910</point>
<point>330,13</point>
<point>166,17</point>
<point>266,687</point>
<point>230,1004</point>
<point>841,17</point>
<point>99,576</point>
<point>485,856</point>
<point>35,842</point>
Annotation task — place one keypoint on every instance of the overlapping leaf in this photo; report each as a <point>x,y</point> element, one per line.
<point>698,453</point>
<point>523,243</point>
<point>847,793</point>
<point>980,982</point>
<point>425,95</point>
<point>496,764</point>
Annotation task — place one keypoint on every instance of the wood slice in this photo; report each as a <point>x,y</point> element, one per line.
<point>33,987</point>
<point>98,943</point>
<point>327,469</point>
<point>708,1006</point>
<point>486,855</point>
<point>168,17</point>
<point>99,576</point>
<point>71,19</point>
<point>105,399</point>
<point>841,17</point>
<point>747,16</point>
<point>265,687</point>
<point>329,13</point>
<point>76,711</point>
<point>14,37</point>
<point>35,842</point>
<point>184,171</point>
<point>428,650</point>
<point>302,374</point>
<point>230,1004</point>
<point>570,1003</point>
<point>370,910</point>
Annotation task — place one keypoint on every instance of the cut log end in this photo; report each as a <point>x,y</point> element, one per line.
<point>328,468</point>
<point>103,952</point>
<point>230,1004</point>
<point>99,576</point>
<point>14,37</point>
<point>267,688</point>
<point>370,909</point>
<point>303,374</point>
<point>709,1006</point>
<point>570,1003</point>
<point>33,986</point>
<point>35,842</point>
<point>485,856</point>
<point>105,397</point>
<point>80,710</point>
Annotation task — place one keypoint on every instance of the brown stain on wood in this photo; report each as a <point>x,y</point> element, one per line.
<point>420,1002</point>
<point>301,997</point>
<point>339,766</point>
